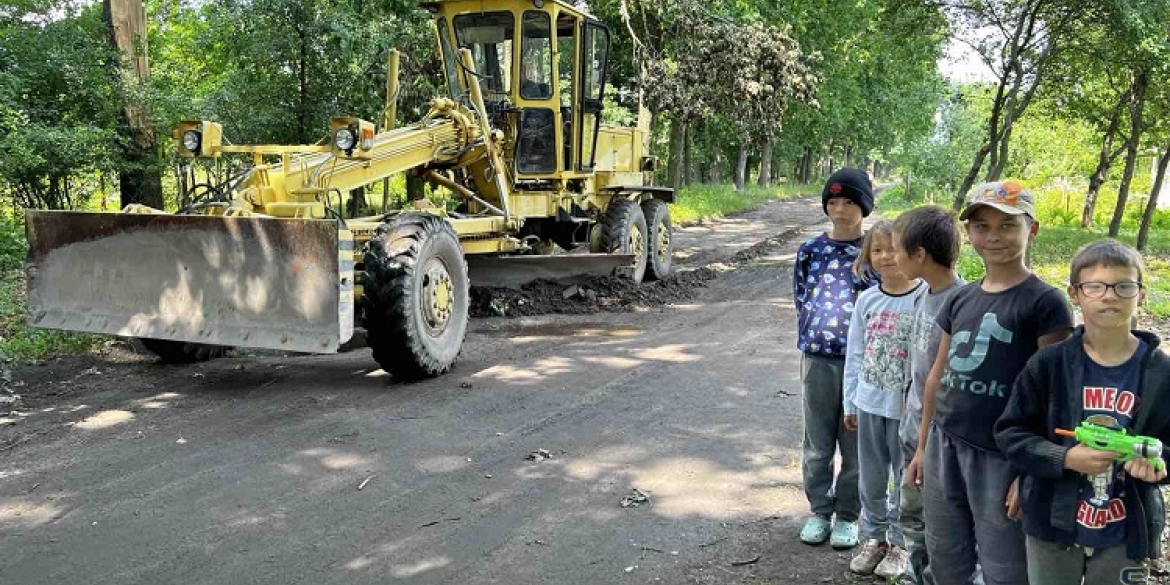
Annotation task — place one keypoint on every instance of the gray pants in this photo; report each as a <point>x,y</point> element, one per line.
<point>824,434</point>
<point>963,496</point>
<point>910,517</point>
<point>1053,564</point>
<point>879,457</point>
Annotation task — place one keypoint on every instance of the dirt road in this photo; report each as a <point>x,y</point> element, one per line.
<point>319,470</point>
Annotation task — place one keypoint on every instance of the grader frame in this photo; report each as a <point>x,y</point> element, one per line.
<point>258,262</point>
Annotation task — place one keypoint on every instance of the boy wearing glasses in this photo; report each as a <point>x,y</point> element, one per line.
<point>1087,515</point>
<point>989,329</point>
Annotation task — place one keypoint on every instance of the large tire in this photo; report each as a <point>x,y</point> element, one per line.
<point>660,243</point>
<point>623,231</point>
<point>415,295</point>
<point>182,352</point>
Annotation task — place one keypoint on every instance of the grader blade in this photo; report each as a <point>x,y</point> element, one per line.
<point>514,271</point>
<point>283,284</point>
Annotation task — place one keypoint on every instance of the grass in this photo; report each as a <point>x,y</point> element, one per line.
<point>699,202</point>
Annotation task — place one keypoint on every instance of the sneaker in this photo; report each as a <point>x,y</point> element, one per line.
<point>815,531</point>
<point>894,565</point>
<point>844,534</point>
<point>872,553</point>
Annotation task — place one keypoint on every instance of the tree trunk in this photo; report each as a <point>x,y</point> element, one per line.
<point>675,162</point>
<point>1104,161</point>
<point>765,179</point>
<point>689,156</point>
<point>741,166</point>
<point>995,170</point>
<point>303,85</point>
<point>1152,204</point>
<point>716,176</point>
<point>415,186</point>
<point>849,155</point>
<point>356,203</point>
<point>140,177</point>
<point>969,180</point>
<point>1137,103</point>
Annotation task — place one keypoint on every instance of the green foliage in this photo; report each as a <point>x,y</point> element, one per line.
<point>277,70</point>
<point>58,106</point>
<point>761,69</point>
<point>937,162</point>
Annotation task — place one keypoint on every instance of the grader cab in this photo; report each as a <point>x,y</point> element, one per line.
<point>266,258</point>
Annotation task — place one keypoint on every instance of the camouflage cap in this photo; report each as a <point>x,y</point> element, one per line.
<point>1009,197</point>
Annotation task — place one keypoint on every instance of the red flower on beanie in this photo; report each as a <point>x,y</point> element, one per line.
<point>835,188</point>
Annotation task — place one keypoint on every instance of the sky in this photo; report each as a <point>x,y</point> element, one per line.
<point>960,63</point>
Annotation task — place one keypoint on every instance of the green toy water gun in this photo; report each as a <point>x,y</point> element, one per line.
<point>1103,438</point>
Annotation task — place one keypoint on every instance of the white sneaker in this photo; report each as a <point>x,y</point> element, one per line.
<point>870,555</point>
<point>894,565</point>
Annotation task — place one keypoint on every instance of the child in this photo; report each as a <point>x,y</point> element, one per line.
<point>825,289</point>
<point>1087,515</point>
<point>926,245</point>
<point>876,375</point>
<point>989,330</point>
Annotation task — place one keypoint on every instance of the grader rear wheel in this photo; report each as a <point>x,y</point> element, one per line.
<point>623,231</point>
<point>182,352</point>
<point>660,248</point>
<point>415,294</point>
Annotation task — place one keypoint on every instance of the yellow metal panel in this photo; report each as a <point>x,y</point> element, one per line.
<point>533,204</point>
<point>609,179</point>
<point>296,210</point>
<point>474,226</point>
<point>615,149</point>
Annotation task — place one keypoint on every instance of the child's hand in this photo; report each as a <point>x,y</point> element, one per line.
<point>1012,503</point>
<point>850,422</point>
<point>1139,468</point>
<point>1089,461</point>
<point>914,471</point>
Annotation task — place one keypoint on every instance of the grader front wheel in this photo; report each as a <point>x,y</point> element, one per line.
<point>415,295</point>
<point>623,231</point>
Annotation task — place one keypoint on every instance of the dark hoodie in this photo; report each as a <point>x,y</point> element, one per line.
<point>1046,396</point>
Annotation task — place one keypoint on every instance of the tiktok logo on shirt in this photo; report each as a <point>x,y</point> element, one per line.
<point>957,375</point>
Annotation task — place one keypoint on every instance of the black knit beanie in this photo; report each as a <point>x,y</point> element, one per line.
<point>853,184</point>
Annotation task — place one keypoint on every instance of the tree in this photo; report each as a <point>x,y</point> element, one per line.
<point>1017,40</point>
<point>58,104</point>
<point>140,177</point>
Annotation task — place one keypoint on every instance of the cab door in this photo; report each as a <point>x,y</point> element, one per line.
<point>594,62</point>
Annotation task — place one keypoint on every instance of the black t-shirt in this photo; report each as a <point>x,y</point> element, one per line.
<point>1109,398</point>
<point>992,337</point>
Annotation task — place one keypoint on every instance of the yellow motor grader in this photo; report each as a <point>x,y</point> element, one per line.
<point>265,260</point>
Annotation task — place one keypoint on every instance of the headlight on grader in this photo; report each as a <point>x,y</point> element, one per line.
<point>345,139</point>
<point>198,138</point>
<point>352,137</point>
<point>192,139</point>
